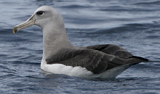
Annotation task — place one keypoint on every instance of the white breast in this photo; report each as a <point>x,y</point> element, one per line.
<point>63,69</point>
<point>80,71</point>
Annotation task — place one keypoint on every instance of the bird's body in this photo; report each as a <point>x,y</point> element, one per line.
<point>61,57</point>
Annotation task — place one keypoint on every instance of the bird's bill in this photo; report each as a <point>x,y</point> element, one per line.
<point>25,24</point>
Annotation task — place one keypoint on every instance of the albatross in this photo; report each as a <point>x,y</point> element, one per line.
<point>105,61</point>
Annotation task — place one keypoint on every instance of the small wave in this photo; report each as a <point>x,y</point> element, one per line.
<point>76,6</point>
<point>148,3</point>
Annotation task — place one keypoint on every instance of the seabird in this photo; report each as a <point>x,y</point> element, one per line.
<point>61,57</point>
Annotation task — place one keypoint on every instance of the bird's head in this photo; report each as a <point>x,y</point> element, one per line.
<point>41,17</point>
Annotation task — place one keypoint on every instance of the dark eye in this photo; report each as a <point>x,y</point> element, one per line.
<point>39,13</point>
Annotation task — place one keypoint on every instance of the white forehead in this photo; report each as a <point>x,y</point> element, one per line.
<point>45,8</point>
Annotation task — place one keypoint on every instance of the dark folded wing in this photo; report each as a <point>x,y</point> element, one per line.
<point>92,60</point>
<point>112,50</point>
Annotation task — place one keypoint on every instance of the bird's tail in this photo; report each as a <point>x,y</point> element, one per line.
<point>141,59</point>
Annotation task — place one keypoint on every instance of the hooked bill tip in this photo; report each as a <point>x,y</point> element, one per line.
<point>14,30</point>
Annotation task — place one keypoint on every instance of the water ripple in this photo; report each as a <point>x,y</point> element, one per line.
<point>131,24</point>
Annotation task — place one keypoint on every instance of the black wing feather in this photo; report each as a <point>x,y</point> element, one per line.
<point>95,58</point>
<point>112,50</point>
<point>91,60</point>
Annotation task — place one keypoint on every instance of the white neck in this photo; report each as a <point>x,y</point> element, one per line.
<point>54,39</point>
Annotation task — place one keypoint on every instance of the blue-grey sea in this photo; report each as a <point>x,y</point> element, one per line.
<point>131,24</point>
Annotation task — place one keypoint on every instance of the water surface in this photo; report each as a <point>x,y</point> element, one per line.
<point>131,24</point>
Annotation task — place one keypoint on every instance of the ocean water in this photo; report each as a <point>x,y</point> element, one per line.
<point>131,24</point>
